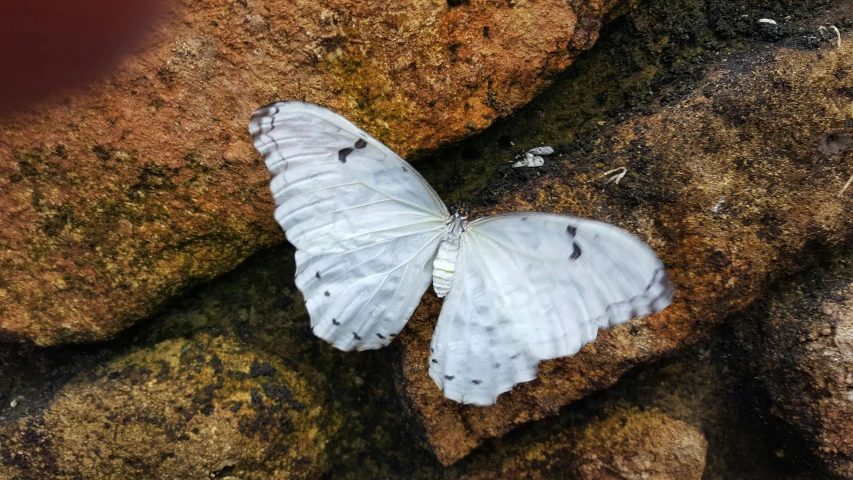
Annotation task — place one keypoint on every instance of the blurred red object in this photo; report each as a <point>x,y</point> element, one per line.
<point>49,45</point>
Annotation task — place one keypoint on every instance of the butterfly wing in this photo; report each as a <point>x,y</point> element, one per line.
<point>530,287</point>
<point>365,224</point>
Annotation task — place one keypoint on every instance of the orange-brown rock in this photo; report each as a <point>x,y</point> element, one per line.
<point>119,196</point>
<point>801,349</point>
<point>735,185</point>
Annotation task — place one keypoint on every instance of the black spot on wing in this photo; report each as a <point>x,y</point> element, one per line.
<point>343,154</point>
<point>392,335</point>
<point>317,275</point>
<point>355,336</point>
<point>449,377</point>
<point>576,253</point>
<point>335,322</point>
<point>326,293</point>
<point>434,361</point>
<point>573,230</point>
<point>476,382</point>
<point>381,337</point>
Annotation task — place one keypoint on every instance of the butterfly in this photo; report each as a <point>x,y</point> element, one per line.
<point>371,235</point>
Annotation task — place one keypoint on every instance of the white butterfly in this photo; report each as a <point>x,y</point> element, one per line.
<point>371,234</point>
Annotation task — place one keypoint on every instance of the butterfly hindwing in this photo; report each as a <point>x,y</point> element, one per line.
<point>530,287</point>
<point>365,224</point>
<point>362,298</point>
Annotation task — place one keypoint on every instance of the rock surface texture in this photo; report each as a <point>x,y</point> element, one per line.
<point>623,444</point>
<point>801,348</point>
<point>634,445</point>
<point>733,186</point>
<point>122,194</point>
<point>197,408</point>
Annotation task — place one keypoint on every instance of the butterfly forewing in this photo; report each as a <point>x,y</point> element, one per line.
<point>365,224</point>
<point>545,284</point>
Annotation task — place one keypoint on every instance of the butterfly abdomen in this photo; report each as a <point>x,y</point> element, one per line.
<point>445,261</point>
<point>444,265</point>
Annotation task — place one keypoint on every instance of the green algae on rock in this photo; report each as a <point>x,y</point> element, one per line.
<point>184,408</point>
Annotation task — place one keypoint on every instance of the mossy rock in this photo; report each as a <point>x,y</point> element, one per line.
<point>201,407</point>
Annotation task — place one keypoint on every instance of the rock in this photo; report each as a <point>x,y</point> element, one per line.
<point>124,193</point>
<point>625,444</point>
<point>700,390</point>
<point>360,428</point>
<point>185,408</point>
<point>800,343</point>
<point>733,138</point>
<point>635,445</point>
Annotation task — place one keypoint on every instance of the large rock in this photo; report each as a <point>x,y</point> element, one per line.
<point>126,192</point>
<point>634,445</point>
<point>734,186</point>
<point>184,408</point>
<point>801,349</point>
<point>625,444</point>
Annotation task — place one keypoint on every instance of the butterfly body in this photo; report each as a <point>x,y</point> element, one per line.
<point>518,288</point>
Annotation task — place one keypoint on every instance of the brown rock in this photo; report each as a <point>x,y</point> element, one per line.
<point>625,444</point>
<point>729,186</point>
<point>182,409</point>
<point>162,144</point>
<point>801,348</point>
<point>635,445</point>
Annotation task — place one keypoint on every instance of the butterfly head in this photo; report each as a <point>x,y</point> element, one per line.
<point>460,210</point>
